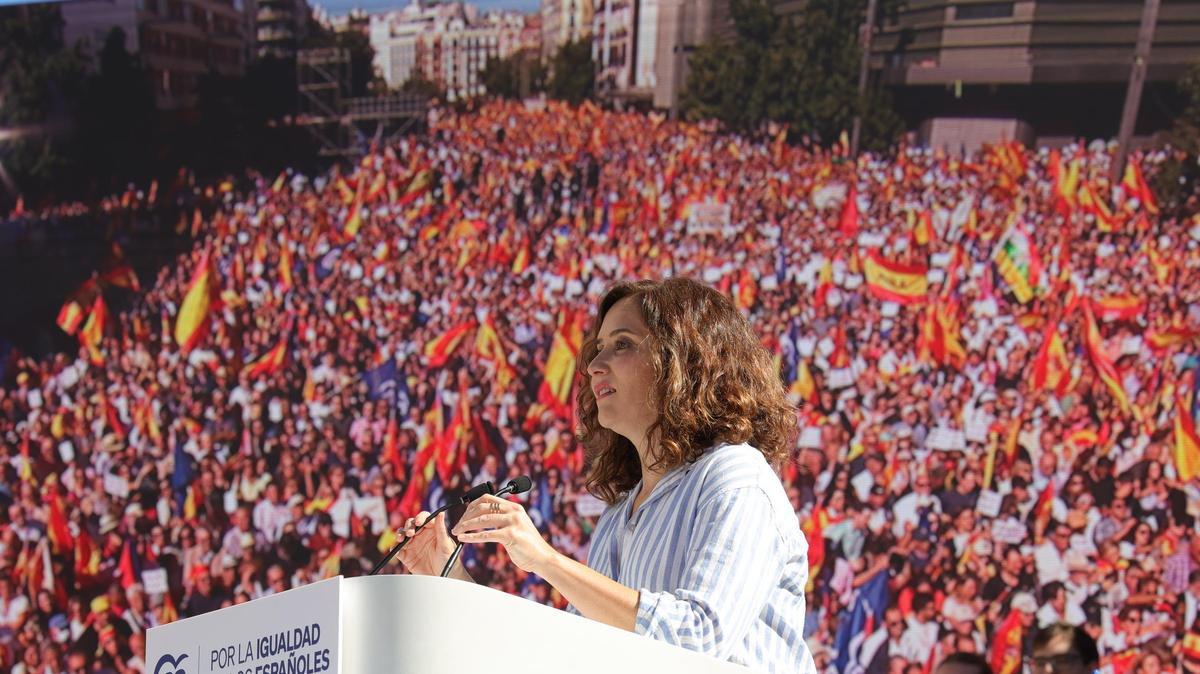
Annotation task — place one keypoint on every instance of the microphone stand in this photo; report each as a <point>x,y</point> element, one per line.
<point>474,493</point>
<point>513,487</point>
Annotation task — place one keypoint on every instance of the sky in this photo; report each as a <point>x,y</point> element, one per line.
<point>338,7</point>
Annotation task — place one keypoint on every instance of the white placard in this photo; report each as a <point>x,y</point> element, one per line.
<point>155,581</point>
<point>372,508</point>
<point>988,504</point>
<point>301,627</point>
<point>977,431</point>
<point>66,451</point>
<point>708,218</point>
<point>946,439</point>
<point>116,486</point>
<point>810,437</point>
<point>839,378</point>
<point>1009,531</point>
<point>339,512</point>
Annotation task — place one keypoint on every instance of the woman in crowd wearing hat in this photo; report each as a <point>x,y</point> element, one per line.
<point>683,415</point>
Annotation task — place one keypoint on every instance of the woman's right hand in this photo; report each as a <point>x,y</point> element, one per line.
<point>429,549</point>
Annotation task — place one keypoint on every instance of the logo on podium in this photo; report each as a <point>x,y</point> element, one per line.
<point>169,664</point>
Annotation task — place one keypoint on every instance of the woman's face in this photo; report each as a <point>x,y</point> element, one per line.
<point>621,374</point>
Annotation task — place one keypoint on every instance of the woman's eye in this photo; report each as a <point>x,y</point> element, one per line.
<point>621,344</point>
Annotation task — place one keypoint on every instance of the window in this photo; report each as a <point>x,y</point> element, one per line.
<point>986,10</point>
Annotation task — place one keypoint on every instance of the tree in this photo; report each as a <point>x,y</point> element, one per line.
<point>804,73</point>
<point>502,77</point>
<point>40,87</point>
<point>117,118</point>
<point>573,73</point>
<point>1185,133</point>
<point>418,84</point>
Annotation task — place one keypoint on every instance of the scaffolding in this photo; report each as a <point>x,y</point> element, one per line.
<point>345,125</point>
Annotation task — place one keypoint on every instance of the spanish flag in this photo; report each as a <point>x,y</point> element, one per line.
<point>440,349</point>
<point>1051,367</point>
<point>270,362</point>
<point>58,531</point>
<point>1187,443</point>
<point>1104,367</point>
<point>489,347</point>
<point>1005,657</point>
<point>1134,184</point>
<point>1090,202</point>
<point>893,281</point>
<point>344,190</point>
<point>521,262</point>
<point>824,283</point>
<point>418,186</point>
<point>92,333</point>
<point>1066,183</point>
<point>805,386</point>
<point>201,298</point>
<point>1118,307</point>
<point>452,454</point>
<point>1161,266</point>
<point>70,316</point>
<point>1171,335</point>
<point>921,227</point>
<point>285,267</point>
<point>555,391</point>
<point>938,342</point>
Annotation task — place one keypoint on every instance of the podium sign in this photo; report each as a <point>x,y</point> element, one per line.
<point>294,632</point>
<point>398,624</point>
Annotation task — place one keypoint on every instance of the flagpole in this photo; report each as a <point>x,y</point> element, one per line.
<point>1133,94</point>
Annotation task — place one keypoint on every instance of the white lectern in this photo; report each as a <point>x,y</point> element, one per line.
<point>406,624</point>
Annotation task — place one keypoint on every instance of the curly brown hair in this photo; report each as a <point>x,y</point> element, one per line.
<point>714,382</point>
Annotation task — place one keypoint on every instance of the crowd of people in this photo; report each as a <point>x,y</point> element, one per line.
<point>993,420</point>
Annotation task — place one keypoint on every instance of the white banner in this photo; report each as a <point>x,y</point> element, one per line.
<point>294,631</point>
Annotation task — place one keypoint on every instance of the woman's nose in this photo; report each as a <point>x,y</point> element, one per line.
<point>597,366</point>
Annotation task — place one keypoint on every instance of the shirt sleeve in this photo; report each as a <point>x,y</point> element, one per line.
<point>737,557</point>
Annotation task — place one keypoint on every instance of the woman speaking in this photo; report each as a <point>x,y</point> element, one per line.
<point>682,416</point>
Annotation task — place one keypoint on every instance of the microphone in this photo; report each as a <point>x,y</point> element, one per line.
<point>476,492</point>
<point>472,494</point>
<point>518,485</point>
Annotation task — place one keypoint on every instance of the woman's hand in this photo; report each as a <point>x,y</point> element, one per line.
<point>495,520</point>
<point>427,552</point>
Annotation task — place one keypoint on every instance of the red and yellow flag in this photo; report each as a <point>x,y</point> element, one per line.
<point>555,391</point>
<point>939,342</point>
<point>1051,367</point>
<point>1006,652</point>
<point>903,283</point>
<point>269,362</point>
<point>440,349</point>
<point>1090,202</point>
<point>489,346</point>
<point>1116,308</point>
<point>70,316</point>
<point>285,267</point>
<point>1104,366</point>
<point>200,299</point>
<point>1134,185</point>
<point>1187,443</point>
<point>92,333</point>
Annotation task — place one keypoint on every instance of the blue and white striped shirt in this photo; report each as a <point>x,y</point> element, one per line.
<point>718,557</point>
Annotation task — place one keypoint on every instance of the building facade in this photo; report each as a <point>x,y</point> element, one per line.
<point>564,21</point>
<point>447,44</point>
<point>178,41</point>
<point>1044,71</point>
<point>280,27</point>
